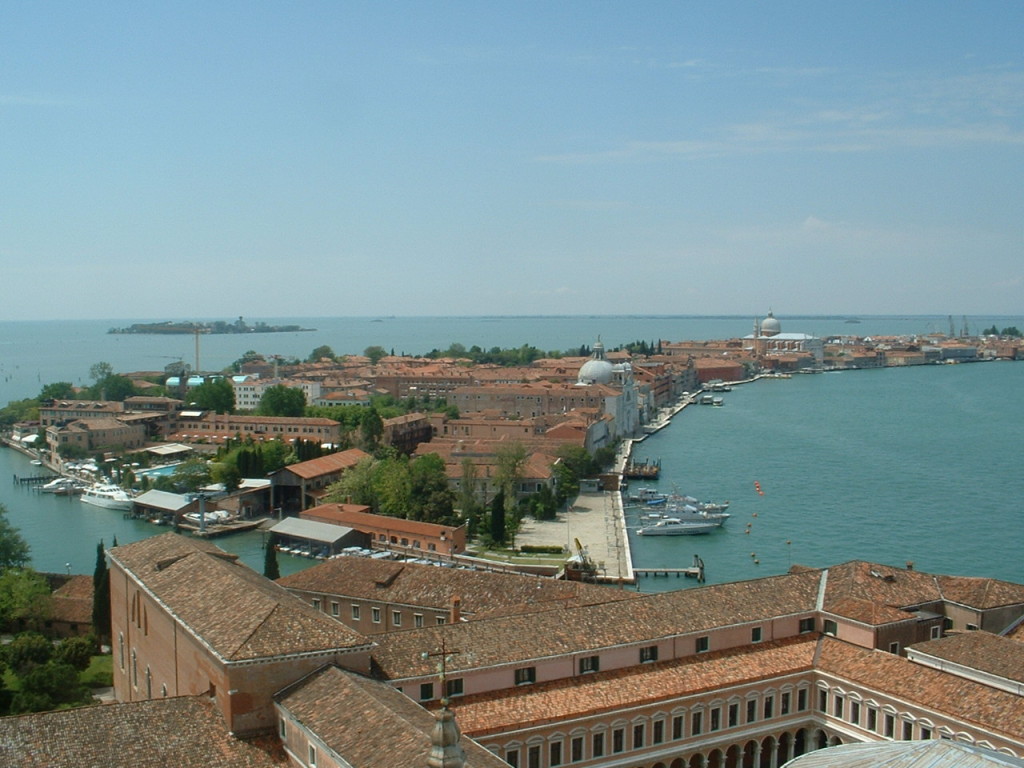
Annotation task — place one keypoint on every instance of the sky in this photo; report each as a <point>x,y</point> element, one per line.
<point>196,160</point>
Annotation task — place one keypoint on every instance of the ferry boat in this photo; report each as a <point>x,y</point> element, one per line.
<point>108,496</point>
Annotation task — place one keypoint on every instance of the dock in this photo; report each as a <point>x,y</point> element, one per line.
<point>642,470</point>
<point>695,571</point>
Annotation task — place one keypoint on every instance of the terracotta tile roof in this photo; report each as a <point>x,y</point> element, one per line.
<point>72,602</point>
<point>999,656</point>
<point>185,732</point>
<point>900,587</point>
<point>896,676</point>
<point>623,622</point>
<point>348,515</point>
<point>369,724</point>
<point>325,465</point>
<point>980,592</point>
<point>429,586</point>
<point>635,686</point>
<point>867,612</point>
<point>262,620</point>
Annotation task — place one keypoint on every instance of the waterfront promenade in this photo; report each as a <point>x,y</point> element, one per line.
<point>598,520</point>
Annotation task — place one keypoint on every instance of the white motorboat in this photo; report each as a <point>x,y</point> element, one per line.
<point>109,496</point>
<point>673,526</point>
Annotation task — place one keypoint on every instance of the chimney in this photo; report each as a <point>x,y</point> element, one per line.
<point>455,610</point>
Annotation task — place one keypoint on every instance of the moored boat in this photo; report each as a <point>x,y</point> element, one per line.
<point>674,526</point>
<point>108,496</point>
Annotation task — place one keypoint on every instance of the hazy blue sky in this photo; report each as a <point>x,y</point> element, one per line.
<point>208,159</point>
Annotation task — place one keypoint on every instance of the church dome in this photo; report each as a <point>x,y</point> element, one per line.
<point>770,325</point>
<point>596,370</point>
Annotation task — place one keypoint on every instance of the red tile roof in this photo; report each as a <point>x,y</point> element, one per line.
<point>261,620</point>
<point>326,465</point>
<point>368,723</point>
<point>185,732</point>
<point>625,689</point>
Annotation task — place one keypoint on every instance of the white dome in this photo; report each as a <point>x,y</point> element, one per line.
<point>770,325</point>
<point>596,370</point>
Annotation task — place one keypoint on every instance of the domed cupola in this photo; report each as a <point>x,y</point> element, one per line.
<point>596,370</point>
<point>770,326</point>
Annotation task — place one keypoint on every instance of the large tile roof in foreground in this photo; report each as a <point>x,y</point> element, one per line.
<point>983,651</point>
<point>260,620</point>
<point>622,689</point>
<point>980,705</point>
<point>571,630</point>
<point>430,586</point>
<point>351,714</point>
<point>184,732</point>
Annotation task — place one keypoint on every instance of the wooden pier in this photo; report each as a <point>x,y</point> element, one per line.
<point>33,479</point>
<point>642,470</point>
<point>695,571</point>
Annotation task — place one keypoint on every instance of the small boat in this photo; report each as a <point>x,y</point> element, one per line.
<point>674,526</point>
<point>63,486</point>
<point>108,496</point>
<point>648,496</point>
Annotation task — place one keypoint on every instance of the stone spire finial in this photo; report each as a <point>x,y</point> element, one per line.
<point>445,751</point>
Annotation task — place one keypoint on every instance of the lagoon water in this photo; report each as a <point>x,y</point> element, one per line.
<point>914,464</point>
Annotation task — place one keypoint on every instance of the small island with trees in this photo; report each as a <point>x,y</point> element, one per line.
<point>213,327</point>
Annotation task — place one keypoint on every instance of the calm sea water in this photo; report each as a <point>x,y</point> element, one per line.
<point>916,464</point>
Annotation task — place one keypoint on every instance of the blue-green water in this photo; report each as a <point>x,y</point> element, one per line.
<point>919,464</point>
<point>915,464</point>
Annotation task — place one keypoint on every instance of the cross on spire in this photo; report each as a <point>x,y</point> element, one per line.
<point>444,655</point>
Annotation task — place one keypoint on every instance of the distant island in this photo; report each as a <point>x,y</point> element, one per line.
<point>217,326</point>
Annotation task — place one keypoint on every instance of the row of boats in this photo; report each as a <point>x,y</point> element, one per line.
<point>676,514</point>
<point>106,495</point>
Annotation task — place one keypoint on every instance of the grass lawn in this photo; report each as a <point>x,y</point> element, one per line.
<point>100,673</point>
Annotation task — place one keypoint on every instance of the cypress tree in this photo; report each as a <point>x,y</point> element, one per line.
<point>270,567</point>
<point>101,596</point>
<point>498,518</point>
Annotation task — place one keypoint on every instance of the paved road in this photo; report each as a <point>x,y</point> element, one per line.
<point>596,520</point>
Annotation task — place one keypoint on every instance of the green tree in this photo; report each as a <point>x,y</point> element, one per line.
<point>48,686</point>
<point>375,353</point>
<point>469,505</point>
<point>228,475</point>
<point>24,598</point>
<point>356,485</point>
<point>320,353</point>
<point>271,569</point>
<point>371,428</point>
<point>497,527</point>
<point>392,487</point>
<point>99,372</point>
<point>115,388</point>
<point>511,461</point>
<point>58,390</point>
<point>76,652</point>
<point>281,400</point>
<point>543,504</point>
<point>14,550</point>
<point>101,595</point>
<point>217,395</point>
<point>191,475</point>
<point>26,651</point>
<point>431,498</point>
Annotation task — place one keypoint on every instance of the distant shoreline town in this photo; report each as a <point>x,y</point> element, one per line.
<point>216,327</point>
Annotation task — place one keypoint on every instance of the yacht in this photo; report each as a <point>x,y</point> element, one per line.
<point>109,496</point>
